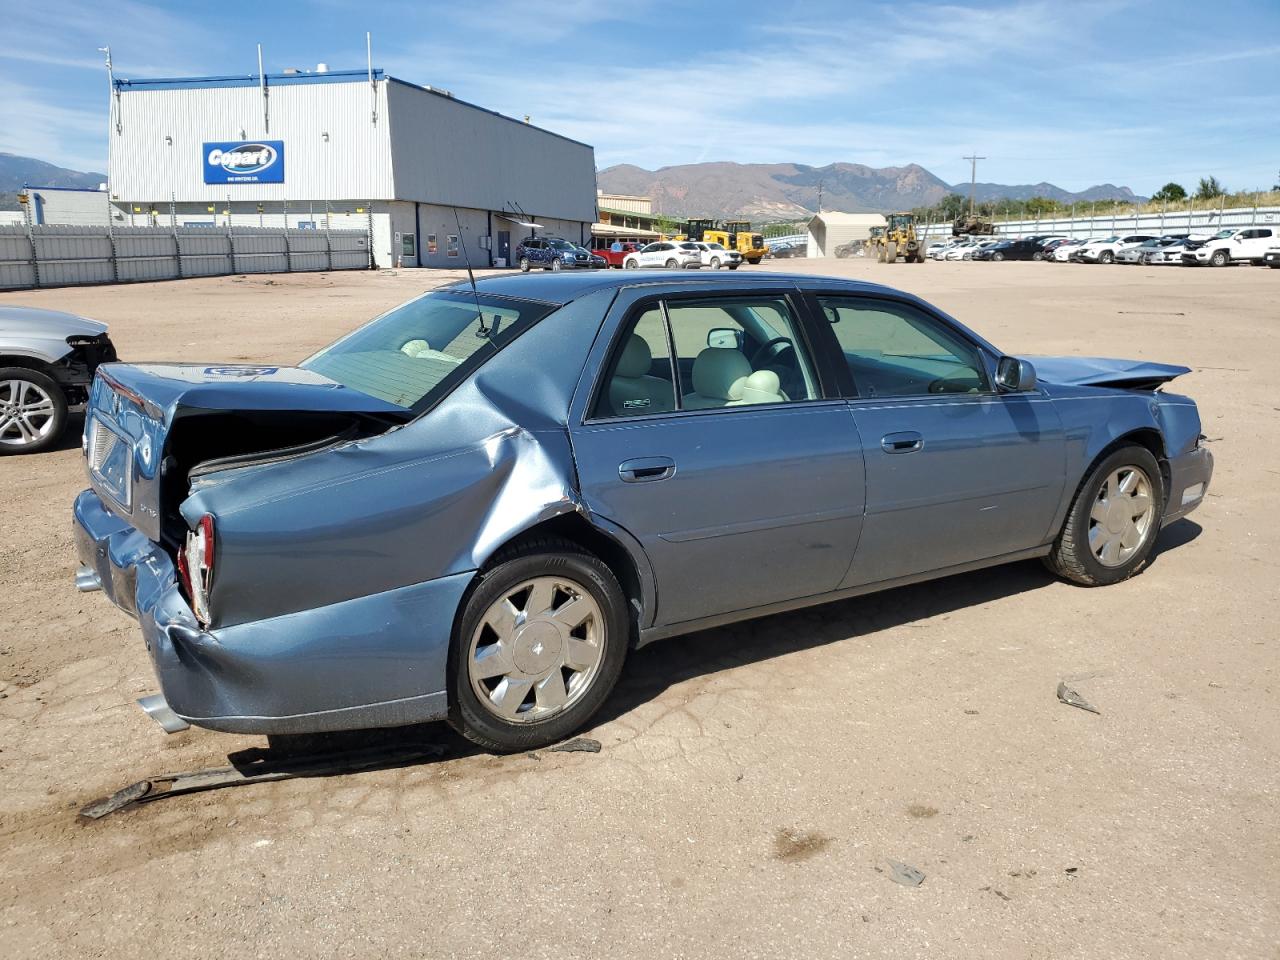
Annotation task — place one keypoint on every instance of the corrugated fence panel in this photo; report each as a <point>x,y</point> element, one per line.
<point>63,255</point>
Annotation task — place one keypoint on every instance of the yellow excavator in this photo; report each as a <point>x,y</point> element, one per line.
<point>898,239</point>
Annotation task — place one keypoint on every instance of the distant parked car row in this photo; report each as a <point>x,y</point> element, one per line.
<point>1256,245</point>
<point>671,254</point>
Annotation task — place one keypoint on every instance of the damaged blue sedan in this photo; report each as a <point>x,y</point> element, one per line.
<point>472,507</point>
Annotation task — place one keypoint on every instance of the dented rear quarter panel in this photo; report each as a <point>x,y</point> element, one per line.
<point>431,499</point>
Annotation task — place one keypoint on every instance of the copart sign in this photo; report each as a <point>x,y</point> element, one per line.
<point>257,161</point>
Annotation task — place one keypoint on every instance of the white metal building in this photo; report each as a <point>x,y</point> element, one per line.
<point>830,230</point>
<point>346,150</point>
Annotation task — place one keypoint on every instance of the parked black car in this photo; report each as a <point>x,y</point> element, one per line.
<point>1010,250</point>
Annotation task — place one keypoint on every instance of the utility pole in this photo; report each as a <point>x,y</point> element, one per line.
<point>820,185</point>
<point>973,180</point>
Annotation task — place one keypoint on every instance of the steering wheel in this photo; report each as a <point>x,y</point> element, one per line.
<point>963,380</point>
<point>767,351</point>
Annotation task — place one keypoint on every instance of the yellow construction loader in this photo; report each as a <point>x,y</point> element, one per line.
<point>898,239</point>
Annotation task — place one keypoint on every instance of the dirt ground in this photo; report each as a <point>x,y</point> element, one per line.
<point>755,781</point>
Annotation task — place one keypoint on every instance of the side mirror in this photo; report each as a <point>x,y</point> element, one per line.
<point>724,337</point>
<point>1015,376</point>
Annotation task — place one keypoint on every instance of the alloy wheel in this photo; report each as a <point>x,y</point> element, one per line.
<point>27,413</point>
<point>537,650</point>
<point>1121,517</point>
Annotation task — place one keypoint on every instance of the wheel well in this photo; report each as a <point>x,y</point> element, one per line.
<point>575,529</point>
<point>1144,437</point>
<point>29,363</point>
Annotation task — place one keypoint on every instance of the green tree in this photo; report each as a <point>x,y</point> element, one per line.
<point>1041,206</point>
<point>951,206</point>
<point>1170,193</point>
<point>1209,189</point>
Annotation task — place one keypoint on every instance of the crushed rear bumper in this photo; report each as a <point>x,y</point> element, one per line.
<point>374,661</point>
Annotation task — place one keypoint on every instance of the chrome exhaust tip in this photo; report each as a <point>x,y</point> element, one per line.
<point>87,580</point>
<point>158,709</point>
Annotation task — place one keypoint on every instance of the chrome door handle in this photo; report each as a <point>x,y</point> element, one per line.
<point>906,442</point>
<point>645,469</point>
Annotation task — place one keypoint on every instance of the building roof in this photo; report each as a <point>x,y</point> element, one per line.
<point>328,76</point>
<point>836,219</point>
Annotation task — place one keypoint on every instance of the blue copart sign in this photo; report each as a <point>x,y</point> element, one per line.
<point>250,161</point>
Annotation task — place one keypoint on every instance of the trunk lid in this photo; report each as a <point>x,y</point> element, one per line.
<point>139,450</point>
<point>1105,372</point>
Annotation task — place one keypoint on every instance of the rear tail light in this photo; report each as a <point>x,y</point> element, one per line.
<point>195,566</point>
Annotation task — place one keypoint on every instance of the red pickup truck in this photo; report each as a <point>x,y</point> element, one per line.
<point>614,251</point>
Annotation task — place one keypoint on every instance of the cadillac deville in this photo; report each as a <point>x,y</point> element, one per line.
<point>473,507</point>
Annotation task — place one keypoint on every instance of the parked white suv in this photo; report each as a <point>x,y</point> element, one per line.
<point>664,253</point>
<point>1105,252</point>
<point>1230,246</point>
<point>716,255</point>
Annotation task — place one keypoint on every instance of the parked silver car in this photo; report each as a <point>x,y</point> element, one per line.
<point>47,361</point>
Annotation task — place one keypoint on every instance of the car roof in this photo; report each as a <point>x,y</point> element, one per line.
<point>563,286</point>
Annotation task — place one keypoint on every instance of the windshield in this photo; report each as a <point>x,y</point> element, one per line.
<point>418,351</point>
<point>561,244</point>
<point>1222,234</point>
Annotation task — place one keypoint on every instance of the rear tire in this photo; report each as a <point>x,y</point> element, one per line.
<point>672,264</point>
<point>565,573</point>
<point>33,411</point>
<point>1096,519</point>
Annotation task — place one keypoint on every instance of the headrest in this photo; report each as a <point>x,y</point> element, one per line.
<point>636,359</point>
<point>763,386</point>
<point>415,347</point>
<point>717,370</point>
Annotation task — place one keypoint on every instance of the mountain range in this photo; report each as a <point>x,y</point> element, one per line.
<point>16,172</point>
<point>763,192</point>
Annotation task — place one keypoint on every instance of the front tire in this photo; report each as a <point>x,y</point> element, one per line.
<point>538,647</point>
<point>1106,256</point>
<point>1112,526</point>
<point>33,411</point>
<point>524,264</point>
<point>556,264</point>
<point>1219,258</point>
<point>715,263</point>
<point>630,264</point>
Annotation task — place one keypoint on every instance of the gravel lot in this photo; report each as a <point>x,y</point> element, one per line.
<point>755,781</point>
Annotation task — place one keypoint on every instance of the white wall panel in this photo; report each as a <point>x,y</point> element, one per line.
<point>355,161</point>
<point>445,151</point>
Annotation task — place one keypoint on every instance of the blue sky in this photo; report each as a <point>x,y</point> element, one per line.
<point>1075,92</point>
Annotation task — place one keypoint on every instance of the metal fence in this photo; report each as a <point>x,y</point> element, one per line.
<point>1170,220</point>
<point>52,255</point>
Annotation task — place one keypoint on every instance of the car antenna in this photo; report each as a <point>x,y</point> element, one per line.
<point>483,332</point>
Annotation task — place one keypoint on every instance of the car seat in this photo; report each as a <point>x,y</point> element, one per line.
<point>633,391</point>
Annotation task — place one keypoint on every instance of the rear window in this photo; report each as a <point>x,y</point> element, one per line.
<point>417,352</point>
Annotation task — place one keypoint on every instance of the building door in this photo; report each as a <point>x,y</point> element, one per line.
<point>504,246</point>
